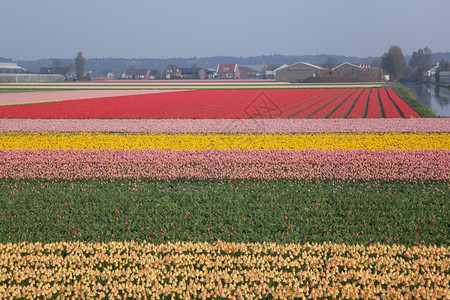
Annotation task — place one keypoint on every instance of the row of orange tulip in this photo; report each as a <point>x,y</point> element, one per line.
<point>231,270</point>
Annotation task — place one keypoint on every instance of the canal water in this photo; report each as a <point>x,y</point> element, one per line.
<point>435,97</point>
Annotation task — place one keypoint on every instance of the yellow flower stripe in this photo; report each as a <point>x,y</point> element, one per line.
<point>298,141</point>
<point>203,270</point>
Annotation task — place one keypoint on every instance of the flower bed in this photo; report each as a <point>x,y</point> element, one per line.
<point>58,96</point>
<point>220,104</point>
<point>228,126</point>
<point>222,270</point>
<point>342,208</point>
<point>350,165</point>
<point>224,141</point>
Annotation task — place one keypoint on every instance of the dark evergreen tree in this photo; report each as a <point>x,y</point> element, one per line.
<point>79,65</point>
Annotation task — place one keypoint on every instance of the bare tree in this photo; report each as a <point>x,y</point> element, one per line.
<point>330,63</point>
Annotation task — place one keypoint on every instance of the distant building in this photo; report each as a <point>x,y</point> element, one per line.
<point>57,70</point>
<point>296,72</point>
<point>141,74</point>
<point>268,72</point>
<point>444,77</point>
<point>155,75</point>
<point>6,68</point>
<point>136,74</point>
<point>209,73</point>
<point>430,75</point>
<point>348,72</point>
<point>248,73</point>
<point>227,71</point>
<point>172,72</point>
<point>193,73</point>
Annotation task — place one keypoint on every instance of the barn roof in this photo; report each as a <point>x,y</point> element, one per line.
<point>300,63</point>
<point>7,65</point>
<point>346,65</point>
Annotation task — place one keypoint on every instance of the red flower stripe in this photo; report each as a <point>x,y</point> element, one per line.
<point>288,111</point>
<point>265,107</point>
<point>317,105</point>
<point>324,111</point>
<point>390,111</point>
<point>359,107</point>
<point>219,104</point>
<point>345,107</point>
<point>407,111</point>
<point>373,109</point>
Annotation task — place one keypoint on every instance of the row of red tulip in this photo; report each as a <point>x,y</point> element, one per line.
<point>221,104</point>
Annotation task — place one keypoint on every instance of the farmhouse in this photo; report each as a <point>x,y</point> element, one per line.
<point>430,75</point>
<point>227,71</point>
<point>136,74</point>
<point>154,74</point>
<point>209,73</point>
<point>172,72</point>
<point>248,73</point>
<point>193,73</point>
<point>296,72</point>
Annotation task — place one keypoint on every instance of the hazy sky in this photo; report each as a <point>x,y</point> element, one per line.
<point>33,29</point>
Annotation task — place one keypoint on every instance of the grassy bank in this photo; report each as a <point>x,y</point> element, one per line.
<point>444,85</point>
<point>408,96</point>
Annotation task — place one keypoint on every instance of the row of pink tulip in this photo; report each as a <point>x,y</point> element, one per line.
<point>348,165</point>
<point>228,125</point>
<point>33,97</point>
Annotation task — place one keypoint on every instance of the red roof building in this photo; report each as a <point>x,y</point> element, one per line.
<point>228,71</point>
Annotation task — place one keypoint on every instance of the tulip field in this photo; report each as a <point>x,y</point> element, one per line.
<point>326,193</point>
<point>210,104</point>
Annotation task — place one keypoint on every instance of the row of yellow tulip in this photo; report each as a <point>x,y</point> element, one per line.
<point>231,270</point>
<point>202,141</point>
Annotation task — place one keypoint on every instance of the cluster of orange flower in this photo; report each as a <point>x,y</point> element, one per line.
<point>231,270</point>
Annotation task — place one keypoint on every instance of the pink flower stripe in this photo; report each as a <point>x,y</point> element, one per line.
<point>352,165</point>
<point>33,97</point>
<point>226,125</point>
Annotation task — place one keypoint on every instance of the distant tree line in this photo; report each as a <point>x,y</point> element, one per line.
<point>421,61</point>
<point>410,67</point>
<point>103,66</point>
